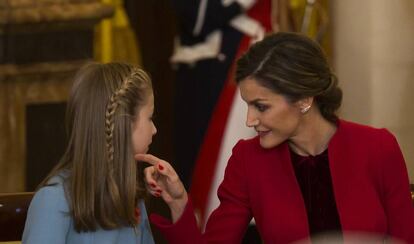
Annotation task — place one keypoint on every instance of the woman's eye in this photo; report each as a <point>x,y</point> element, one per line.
<point>261,107</point>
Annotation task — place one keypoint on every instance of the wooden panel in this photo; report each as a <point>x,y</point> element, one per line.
<point>23,48</point>
<point>47,83</point>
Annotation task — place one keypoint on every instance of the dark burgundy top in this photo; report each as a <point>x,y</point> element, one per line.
<point>314,178</point>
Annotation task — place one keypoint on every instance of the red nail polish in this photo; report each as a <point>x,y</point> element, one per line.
<point>152,185</point>
<point>159,191</point>
<point>160,167</point>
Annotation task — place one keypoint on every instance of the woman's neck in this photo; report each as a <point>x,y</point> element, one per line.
<point>313,135</point>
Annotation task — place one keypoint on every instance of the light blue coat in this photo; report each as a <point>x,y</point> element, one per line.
<point>48,221</point>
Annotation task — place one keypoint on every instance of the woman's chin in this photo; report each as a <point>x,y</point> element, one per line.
<point>267,144</point>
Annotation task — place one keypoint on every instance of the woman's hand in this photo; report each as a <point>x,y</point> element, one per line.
<point>162,181</point>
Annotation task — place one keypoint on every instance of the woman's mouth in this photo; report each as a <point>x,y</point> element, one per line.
<point>263,133</point>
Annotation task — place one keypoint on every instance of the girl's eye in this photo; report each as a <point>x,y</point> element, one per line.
<point>261,107</point>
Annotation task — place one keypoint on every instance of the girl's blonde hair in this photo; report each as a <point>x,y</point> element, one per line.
<point>103,182</point>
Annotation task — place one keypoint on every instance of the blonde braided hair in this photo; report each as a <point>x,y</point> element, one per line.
<point>99,162</point>
<point>137,80</point>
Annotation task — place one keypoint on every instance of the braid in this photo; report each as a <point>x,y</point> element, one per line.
<point>114,103</point>
<point>109,126</point>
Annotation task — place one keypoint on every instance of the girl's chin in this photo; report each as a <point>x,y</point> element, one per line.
<point>144,151</point>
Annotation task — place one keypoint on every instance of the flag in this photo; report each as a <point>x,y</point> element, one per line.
<point>227,124</point>
<point>114,38</point>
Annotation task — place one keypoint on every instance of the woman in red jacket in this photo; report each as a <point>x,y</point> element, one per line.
<point>307,173</point>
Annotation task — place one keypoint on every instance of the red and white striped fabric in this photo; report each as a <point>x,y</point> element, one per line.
<point>226,127</point>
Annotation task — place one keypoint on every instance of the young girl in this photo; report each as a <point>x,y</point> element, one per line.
<point>95,193</point>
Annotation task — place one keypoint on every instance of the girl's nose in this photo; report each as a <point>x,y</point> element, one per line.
<point>154,129</point>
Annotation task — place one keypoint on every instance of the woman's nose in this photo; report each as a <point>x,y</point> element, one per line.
<point>251,119</point>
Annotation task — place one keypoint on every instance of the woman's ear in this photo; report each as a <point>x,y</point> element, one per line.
<point>305,104</point>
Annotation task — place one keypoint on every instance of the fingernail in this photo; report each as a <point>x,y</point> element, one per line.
<point>152,185</point>
<point>159,191</point>
<point>160,167</point>
<point>157,194</point>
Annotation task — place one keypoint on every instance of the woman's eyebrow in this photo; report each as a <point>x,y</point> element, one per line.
<point>257,100</point>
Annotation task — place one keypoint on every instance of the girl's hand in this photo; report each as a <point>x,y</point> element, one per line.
<point>162,181</point>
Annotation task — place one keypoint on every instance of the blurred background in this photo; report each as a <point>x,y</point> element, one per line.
<point>43,42</point>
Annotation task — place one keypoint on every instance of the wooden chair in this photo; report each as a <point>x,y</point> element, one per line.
<point>13,211</point>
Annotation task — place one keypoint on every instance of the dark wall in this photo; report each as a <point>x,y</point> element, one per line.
<point>154,24</point>
<point>45,140</point>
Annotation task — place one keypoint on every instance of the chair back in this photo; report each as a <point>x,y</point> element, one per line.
<point>13,212</point>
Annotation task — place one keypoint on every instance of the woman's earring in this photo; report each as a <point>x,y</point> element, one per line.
<point>305,109</point>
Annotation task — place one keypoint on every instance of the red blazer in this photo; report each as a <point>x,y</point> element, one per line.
<point>370,185</point>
